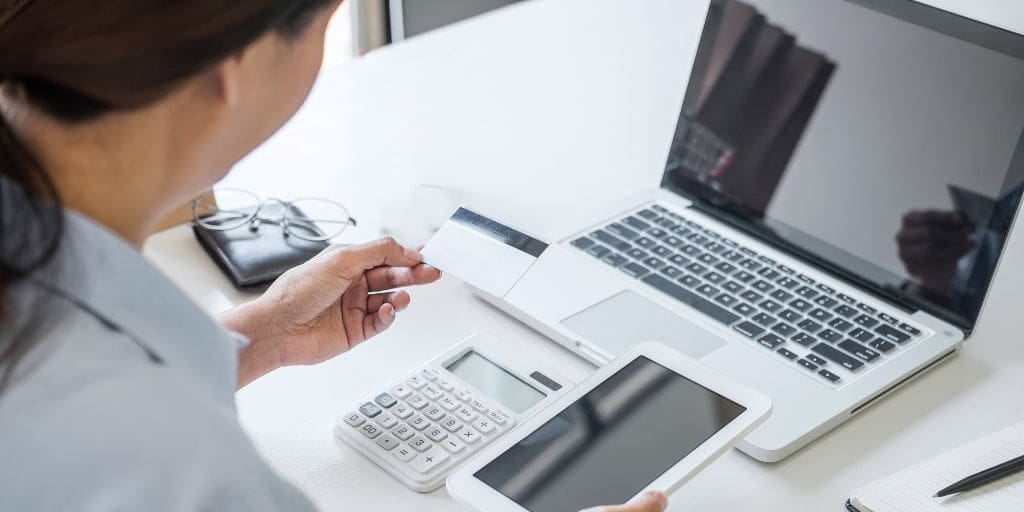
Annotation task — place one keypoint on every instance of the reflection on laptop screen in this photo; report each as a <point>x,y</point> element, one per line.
<point>885,144</point>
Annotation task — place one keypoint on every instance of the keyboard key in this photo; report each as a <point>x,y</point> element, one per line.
<point>790,316</point>
<point>699,239</point>
<point>354,419</point>
<point>469,436</point>
<point>771,341</point>
<point>432,392</point>
<point>451,425</point>
<point>788,283</point>
<point>688,281</point>
<point>637,254</point>
<point>615,259</point>
<point>657,233</point>
<point>733,287</point>
<point>434,412</point>
<point>691,250</point>
<point>836,356</point>
<point>826,301</point>
<point>762,286</point>
<point>809,326</point>
<point>726,300</point>
<point>636,223</point>
<point>714,278</point>
<point>830,336</point>
<point>816,360</point>
<point>466,414</point>
<point>805,279</point>
<point>807,364</point>
<point>914,331</point>
<point>769,273</point>
<point>402,411</point>
<point>371,430</point>
<point>840,325</point>
<point>691,299</point>
<point>725,267</point>
<point>426,462</point>
<point>743,276</point>
<point>672,241</point>
<point>622,231</point>
<point>770,305</point>
<point>732,255</point>
<point>888,332</point>
<point>829,375</point>
<point>647,214</point>
<point>882,345</point>
<point>387,441</point>
<point>766,260</point>
<point>404,453</point>
<point>644,242</point>
<point>858,350</point>
<point>781,295</point>
<point>806,292</point>
<point>824,288</point>
<point>599,251</point>
<point>418,422</point>
<point>804,339</point>
<point>671,272</point>
<point>707,259</point>
<point>784,329</point>
<point>846,298</point>
<point>484,426</point>
<point>821,315</point>
<point>715,247</point>
<point>788,354</point>
<point>682,231</point>
<point>845,311</point>
<point>403,432</point>
<point>748,329</point>
<point>416,382</point>
<point>653,263</point>
<point>764,319</point>
<point>436,434</point>
<point>666,223</point>
<point>801,305</point>
<point>453,445</point>
<point>386,420</point>
<point>478,405</point>
<point>659,209</point>
<point>662,251</point>
<point>750,265</point>
<point>867,309</point>
<point>866,321</point>
<point>497,417</point>
<point>696,268</point>
<point>634,269</point>
<point>370,409</point>
<point>707,290</point>
<point>608,239</point>
<point>744,309</point>
<point>751,296</point>
<point>860,334</point>
<point>679,259</point>
<point>582,243</point>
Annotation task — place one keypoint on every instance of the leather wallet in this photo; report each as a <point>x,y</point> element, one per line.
<point>254,259</point>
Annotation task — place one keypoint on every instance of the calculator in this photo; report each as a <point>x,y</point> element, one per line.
<point>430,421</point>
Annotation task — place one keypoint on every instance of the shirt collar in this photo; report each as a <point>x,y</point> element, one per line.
<point>107,278</point>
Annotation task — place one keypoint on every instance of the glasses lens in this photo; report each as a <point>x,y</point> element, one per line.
<point>316,219</point>
<point>225,209</point>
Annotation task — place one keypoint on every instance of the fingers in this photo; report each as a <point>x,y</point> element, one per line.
<point>389,278</point>
<point>352,260</point>
<point>650,501</point>
<point>398,300</point>
<point>376,323</point>
<point>948,219</point>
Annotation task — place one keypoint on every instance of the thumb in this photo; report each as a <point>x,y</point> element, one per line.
<point>650,501</point>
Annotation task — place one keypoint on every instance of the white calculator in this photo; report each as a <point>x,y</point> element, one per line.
<point>426,424</point>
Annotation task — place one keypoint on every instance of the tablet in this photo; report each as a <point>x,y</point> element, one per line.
<point>650,419</point>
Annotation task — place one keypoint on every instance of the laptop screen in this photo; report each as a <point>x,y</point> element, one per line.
<point>879,138</point>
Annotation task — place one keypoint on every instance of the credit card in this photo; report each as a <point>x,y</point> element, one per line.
<point>482,252</point>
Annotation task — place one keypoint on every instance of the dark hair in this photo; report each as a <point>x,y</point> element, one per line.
<point>77,60</point>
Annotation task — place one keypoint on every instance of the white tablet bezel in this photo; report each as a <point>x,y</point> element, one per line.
<point>470,491</point>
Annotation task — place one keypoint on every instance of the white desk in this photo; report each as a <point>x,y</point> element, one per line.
<point>512,110</point>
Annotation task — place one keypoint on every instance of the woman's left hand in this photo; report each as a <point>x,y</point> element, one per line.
<point>318,310</point>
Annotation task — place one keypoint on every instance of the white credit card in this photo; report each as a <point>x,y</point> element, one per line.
<point>482,252</point>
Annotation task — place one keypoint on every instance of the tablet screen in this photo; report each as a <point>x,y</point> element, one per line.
<point>612,442</point>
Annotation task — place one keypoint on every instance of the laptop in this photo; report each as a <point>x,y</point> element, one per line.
<point>834,204</point>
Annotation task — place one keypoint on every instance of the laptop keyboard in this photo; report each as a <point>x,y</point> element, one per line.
<point>828,334</point>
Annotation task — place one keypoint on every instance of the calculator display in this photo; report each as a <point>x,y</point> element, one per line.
<point>612,442</point>
<point>495,381</point>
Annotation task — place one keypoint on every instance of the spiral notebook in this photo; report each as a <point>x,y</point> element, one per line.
<point>913,489</point>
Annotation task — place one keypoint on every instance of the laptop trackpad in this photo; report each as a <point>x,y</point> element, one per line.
<point>623,320</point>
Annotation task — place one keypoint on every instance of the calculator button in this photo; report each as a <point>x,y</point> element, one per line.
<point>418,422</point>
<point>469,436</point>
<point>370,430</point>
<point>416,401</point>
<point>445,385</point>
<point>434,412</point>
<point>354,419</point>
<point>466,414</point>
<point>387,441</point>
<point>415,382</point>
<point>436,434</point>
<point>385,400</point>
<point>485,426</point>
<point>476,404</point>
<point>449,403</point>
<point>403,432</point>
<point>401,391</point>
<point>429,374</point>
<point>453,445</point>
<point>404,453</point>
<point>464,395</point>
<point>402,411</point>
<point>370,409</point>
<point>425,462</point>
<point>498,417</point>
<point>432,392</point>
<point>386,420</point>
<point>420,443</point>
<point>451,424</point>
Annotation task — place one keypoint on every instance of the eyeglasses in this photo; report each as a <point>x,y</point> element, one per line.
<point>313,219</point>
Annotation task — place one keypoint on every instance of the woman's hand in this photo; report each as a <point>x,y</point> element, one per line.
<point>650,501</point>
<point>318,310</point>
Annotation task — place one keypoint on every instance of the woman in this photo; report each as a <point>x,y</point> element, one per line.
<point>117,391</point>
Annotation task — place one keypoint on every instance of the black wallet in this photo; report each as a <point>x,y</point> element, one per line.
<point>254,259</point>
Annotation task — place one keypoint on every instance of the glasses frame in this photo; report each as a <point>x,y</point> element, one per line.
<point>253,219</point>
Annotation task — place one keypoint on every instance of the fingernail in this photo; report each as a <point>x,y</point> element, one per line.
<point>413,254</point>
<point>660,497</point>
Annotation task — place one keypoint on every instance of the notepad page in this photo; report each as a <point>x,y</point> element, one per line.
<point>914,488</point>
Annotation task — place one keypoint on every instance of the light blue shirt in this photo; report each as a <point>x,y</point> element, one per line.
<point>126,401</point>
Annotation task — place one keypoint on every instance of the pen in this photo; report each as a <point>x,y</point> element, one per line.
<point>983,477</point>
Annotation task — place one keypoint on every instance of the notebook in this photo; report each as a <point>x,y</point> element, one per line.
<point>914,488</point>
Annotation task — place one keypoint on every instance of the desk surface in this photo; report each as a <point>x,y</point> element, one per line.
<point>511,110</point>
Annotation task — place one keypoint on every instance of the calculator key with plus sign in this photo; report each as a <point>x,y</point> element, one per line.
<point>420,427</point>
